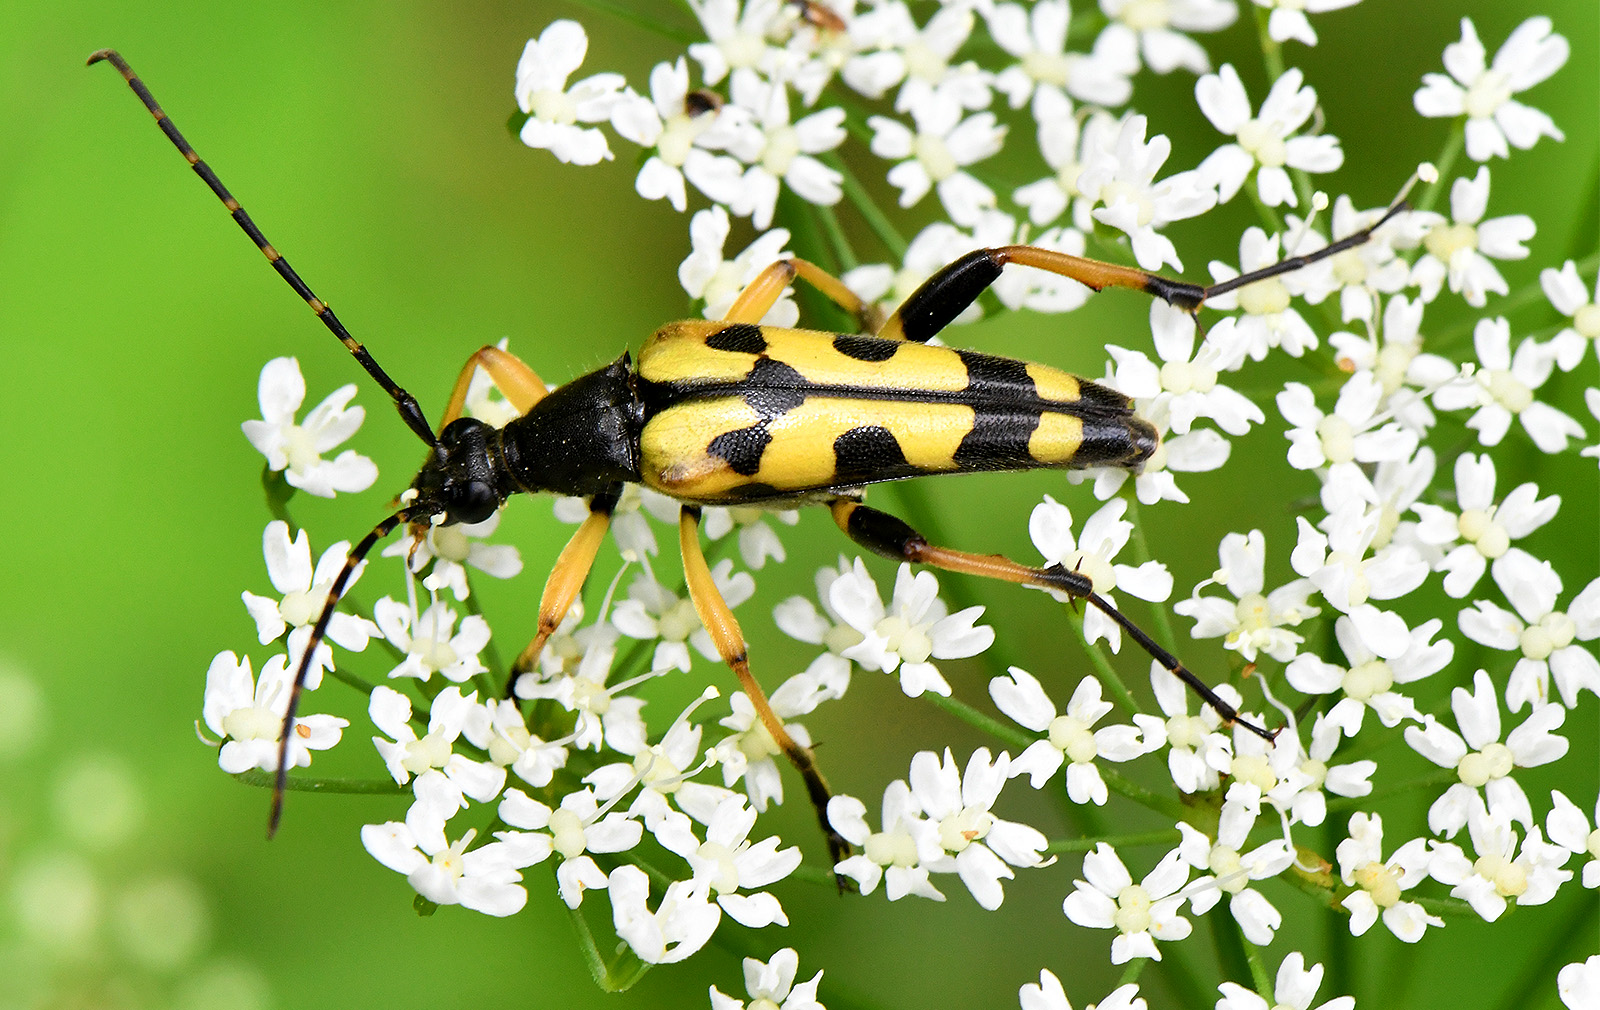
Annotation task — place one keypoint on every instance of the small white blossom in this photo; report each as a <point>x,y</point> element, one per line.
<point>912,630</point>
<point>1118,180</point>
<point>1159,28</point>
<point>1265,144</point>
<point>1141,913</point>
<point>1569,297</point>
<point>1578,984</point>
<point>1104,534</point>
<point>1230,871</point>
<point>653,612</point>
<point>305,593</point>
<point>1547,638</point>
<point>680,132</point>
<point>1296,985</point>
<point>1504,388</point>
<point>1355,432</point>
<point>484,879</point>
<point>1499,874</point>
<point>780,152</point>
<point>934,155</point>
<point>1270,319</point>
<point>757,540</point>
<point>1481,760</point>
<point>1288,21</point>
<point>427,641</point>
<point>1484,530</point>
<point>771,986</point>
<point>248,715</point>
<point>1337,562</point>
<point>1257,623</point>
<point>1380,884</point>
<point>889,855</point>
<point>1460,250</point>
<point>406,754</point>
<point>1569,828</point>
<point>453,549</point>
<point>679,926</point>
<point>1070,737</point>
<point>749,754</point>
<point>1483,93</point>
<point>961,834</point>
<point>706,276</point>
<point>553,108</point>
<point>728,862</point>
<point>1198,753</point>
<point>297,448</point>
<point>576,828</point>
<point>499,729</point>
<point>1186,379</point>
<point>1382,652</point>
<point>1037,38</point>
<point>1049,995</point>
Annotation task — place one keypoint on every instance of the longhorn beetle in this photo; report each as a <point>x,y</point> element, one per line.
<point>730,412</point>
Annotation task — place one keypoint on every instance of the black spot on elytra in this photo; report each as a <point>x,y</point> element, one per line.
<point>744,338</point>
<point>742,448</point>
<point>862,348</point>
<point>869,453</point>
<point>773,388</point>
<point>1004,377</point>
<point>998,439</point>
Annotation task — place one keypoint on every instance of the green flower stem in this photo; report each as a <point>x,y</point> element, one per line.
<point>1453,145</point>
<point>983,723</point>
<point>1528,294</point>
<point>1123,786</point>
<point>1565,940</point>
<point>1259,974</point>
<point>1454,907</point>
<point>1426,784</point>
<point>1165,836</point>
<point>862,201</point>
<point>1102,666</point>
<point>1132,972</point>
<point>1271,54</point>
<point>837,238</point>
<point>1141,551</point>
<point>344,676</point>
<point>278,492</point>
<point>306,784</point>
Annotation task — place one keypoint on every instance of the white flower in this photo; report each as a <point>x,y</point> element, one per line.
<point>705,275</point>
<point>1363,273</point>
<point>484,879</point>
<point>889,855</point>
<point>1309,805</point>
<point>1459,250</point>
<point>749,753</point>
<point>777,151</point>
<point>757,540</point>
<point>893,50</point>
<point>1483,94</point>
<point>1141,913</point>
<point>453,549</point>
<point>1356,432</point>
<point>1231,871</point>
<point>1568,828</point>
<point>652,611</point>
<point>934,155</point>
<point>499,729</point>
<point>1104,534</point>
<point>407,754</point>
<point>1159,28</point>
<point>1265,144</point>
<point>798,618</point>
<point>1481,760</point>
<point>680,925</point>
<point>1546,637</point>
<point>603,714</point>
<point>1499,873</point>
<point>1198,753</point>
<point>1061,135</point>
<point>738,38</point>
<point>298,448</point>
<point>1296,985</point>
<point>554,109</point>
<point>427,642</point>
<point>771,986</point>
<point>1484,530</point>
<point>1569,297</point>
<point>960,833</point>
<point>1256,623</point>
<point>1382,652</point>
<point>1071,737</point>
<point>913,629</point>
<point>1119,177</point>
<point>727,862</point>
<point>576,828</point>
<point>1337,563</point>
<point>249,715</point>
<point>1578,984</point>
<point>1049,995</point>
<point>631,531</point>
<point>1505,388</point>
<point>680,130</point>
<point>1038,39</point>
<point>1380,884</point>
<point>1288,21</point>
<point>1186,379</point>
<point>1270,319</point>
<point>305,593</point>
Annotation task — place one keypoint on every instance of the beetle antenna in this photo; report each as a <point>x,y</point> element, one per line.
<point>410,412</point>
<point>318,633</point>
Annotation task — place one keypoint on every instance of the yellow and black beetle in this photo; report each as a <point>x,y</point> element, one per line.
<point>730,412</point>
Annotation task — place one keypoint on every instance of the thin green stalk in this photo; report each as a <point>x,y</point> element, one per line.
<point>1164,837</point>
<point>307,784</point>
<point>1141,551</point>
<point>1008,735</point>
<point>842,251</point>
<point>862,201</point>
<point>1271,50</point>
<point>1259,975</point>
<point>1439,779</point>
<point>1109,677</point>
<point>1453,145</point>
<point>1166,806</point>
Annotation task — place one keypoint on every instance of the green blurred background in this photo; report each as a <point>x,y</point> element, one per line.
<point>370,143</point>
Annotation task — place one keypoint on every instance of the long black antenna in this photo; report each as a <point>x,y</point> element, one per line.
<point>410,412</point>
<point>318,633</point>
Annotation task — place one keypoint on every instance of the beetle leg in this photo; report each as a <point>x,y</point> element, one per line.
<point>566,581</point>
<point>729,640</point>
<point>520,384</point>
<point>948,292</point>
<point>758,297</point>
<point>889,537</point>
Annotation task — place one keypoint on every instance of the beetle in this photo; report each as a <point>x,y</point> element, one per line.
<point>732,412</point>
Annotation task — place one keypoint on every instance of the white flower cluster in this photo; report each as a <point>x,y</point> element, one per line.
<point>1401,508</point>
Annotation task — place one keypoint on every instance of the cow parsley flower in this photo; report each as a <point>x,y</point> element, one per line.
<point>1460,249</point>
<point>297,449</point>
<point>305,593</point>
<point>248,715</point>
<point>1481,760</point>
<point>453,549</point>
<point>707,276</point>
<point>1118,180</point>
<point>771,986</point>
<point>1198,754</point>
<point>553,108</point>
<point>680,925</point>
<point>406,754</point>
<point>1288,21</point>
<point>1569,828</point>
<point>680,130</point>
<point>1270,319</point>
<point>1483,93</point>
<point>1572,299</point>
<point>728,862</point>
<point>429,641</point>
<point>1382,652</point>
<point>1499,874</point>
<point>1159,27</point>
<point>1187,376</point>
<point>914,628</point>
<point>1257,623</point>
<point>1547,638</point>
<point>1296,986</point>
<point>960,833</point>
<point>1049,995</point>
<point>1484,530</point>
<point>1355,432</point>
<point>483,879</point>
<point>1338,565</point>
<point>1505,388</point>
<point>576,828</point>
<point>748,754</point>
<point>1231,871</point>
<point>1037,38</point>
<point>934,155</point>
<point>1381,884</point>
<point>1071,737</point>
<point>1104,534</point>
<point>1141,913</point>
<point>780,152</point>
<point>1265,144</point>
<point>889,855</point>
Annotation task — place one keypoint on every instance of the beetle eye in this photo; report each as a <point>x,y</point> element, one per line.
<point>473,502</point>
